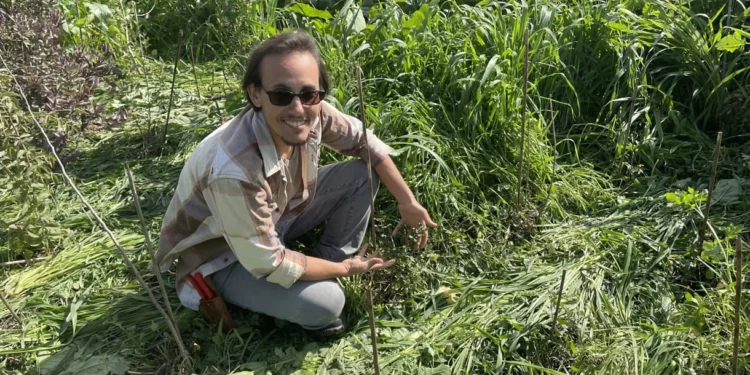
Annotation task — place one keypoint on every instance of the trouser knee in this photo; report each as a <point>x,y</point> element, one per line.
<point>322,303</point>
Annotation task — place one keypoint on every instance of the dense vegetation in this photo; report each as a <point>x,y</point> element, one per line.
<point>624,102</point>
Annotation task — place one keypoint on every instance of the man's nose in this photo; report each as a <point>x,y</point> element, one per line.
<point>296,105</point>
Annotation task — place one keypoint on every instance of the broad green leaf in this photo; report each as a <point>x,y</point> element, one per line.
<point>73,314</point>
<point>308,11</point>
<point>352,16</point>
<point>727,191</point>
<point>99,365</point>
<point>731,43</point>
<point>51,364</point>
<point>99,11</point>
<point>417,19</point>
<point>618,26</point>
<point>673,198</point>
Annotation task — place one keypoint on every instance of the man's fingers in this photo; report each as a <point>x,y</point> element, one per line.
<point>431,223</point>
<point>395,230</point>
<point>363,250</point>
<point>373,262</point>
<point>383,265</point>
<point>425,237</point>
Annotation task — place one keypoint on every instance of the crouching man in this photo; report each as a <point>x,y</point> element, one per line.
<point>254,184</point>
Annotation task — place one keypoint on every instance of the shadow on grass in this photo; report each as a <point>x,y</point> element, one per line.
<point>131,335</point>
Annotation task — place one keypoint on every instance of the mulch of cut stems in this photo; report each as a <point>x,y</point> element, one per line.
<point>616,205</point>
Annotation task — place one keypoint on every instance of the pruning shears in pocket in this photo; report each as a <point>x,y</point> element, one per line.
<point>212,306</point>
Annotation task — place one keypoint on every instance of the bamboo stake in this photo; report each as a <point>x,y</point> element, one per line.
<point>171,91</point>
<point>373,239</point>
<point>559,297</point>
<point>630,117</point>
<point>145,75</point>
<point>702,234</point>
<point>523,114</point>
<point>737,300</point>
<point>149,247</point>
<point>727,24</point>
<point>13,313</point>
<point>195,74</point>
<point>175,332</point>
<point>554,156</point>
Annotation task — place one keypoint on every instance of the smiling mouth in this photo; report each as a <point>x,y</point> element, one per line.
<point>295,123</point>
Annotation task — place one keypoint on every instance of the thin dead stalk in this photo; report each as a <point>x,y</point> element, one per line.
<point>559,297</point>
<point>706,212</point>
<point>22,261</point>
<point>175,332</point>
<point>155,267</point>
<point>373,332</point>
<point>554,156</point>
<point>145,75</point>
<point>13,313</point>
<point>523,114</point>
<point>630,116</point>
<point>737,302</point>
<point>171,91</point>
<point>195,74</point>
<point>728,24</point>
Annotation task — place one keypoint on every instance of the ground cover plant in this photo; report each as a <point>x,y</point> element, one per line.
<point>619,120</point>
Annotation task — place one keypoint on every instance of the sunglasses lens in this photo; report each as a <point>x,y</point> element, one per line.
<point>283,98</point>
<point>309,97</point>
<point>280,97</point>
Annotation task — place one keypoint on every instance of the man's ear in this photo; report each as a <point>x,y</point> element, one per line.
<point>254,93</point>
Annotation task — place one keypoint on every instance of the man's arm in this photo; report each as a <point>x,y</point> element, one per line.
<point>346,135</point>
<point>245,220</point>
<point>320,269</point>
<point>412,213</point>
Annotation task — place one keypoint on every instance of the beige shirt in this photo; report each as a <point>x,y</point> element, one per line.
<point>234,188</point>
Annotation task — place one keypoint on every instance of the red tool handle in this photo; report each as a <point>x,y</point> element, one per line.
<point>196,285</point>
<point>202,282</point>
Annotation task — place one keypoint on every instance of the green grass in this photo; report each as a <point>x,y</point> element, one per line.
<point>615,197</point>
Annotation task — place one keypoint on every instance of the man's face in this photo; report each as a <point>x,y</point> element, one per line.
<point>296,72</point>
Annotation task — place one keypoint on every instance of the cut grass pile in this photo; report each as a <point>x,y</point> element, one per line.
<point>613,199</point>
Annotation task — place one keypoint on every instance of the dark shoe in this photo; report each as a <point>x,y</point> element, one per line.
<point>334,329</point>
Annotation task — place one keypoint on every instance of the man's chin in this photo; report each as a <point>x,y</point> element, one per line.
<point>294,141</point>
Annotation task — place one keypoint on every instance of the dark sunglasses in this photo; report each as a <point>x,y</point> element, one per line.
<point>283,97</point>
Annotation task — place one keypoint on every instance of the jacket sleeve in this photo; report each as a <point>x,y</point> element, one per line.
<point>345,134</point>
<point>244,217</point>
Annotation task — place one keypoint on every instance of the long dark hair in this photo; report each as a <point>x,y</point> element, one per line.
<point>281,44</point>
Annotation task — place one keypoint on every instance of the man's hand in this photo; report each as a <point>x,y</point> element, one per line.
<point>415,216</point>
<point>361,264</point>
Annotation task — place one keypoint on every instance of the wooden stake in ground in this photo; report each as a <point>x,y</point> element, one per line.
<point>523,114</point>
<point>702,234</point>
<point>737,302</point>
<point>195,74</point>
<point>557,304</point>
<point>554,157</point>
<point>175,332</point>
<point>373,332</point>
<point>171,91</point>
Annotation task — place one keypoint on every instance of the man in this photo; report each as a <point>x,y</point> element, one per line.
<point>254,184</point>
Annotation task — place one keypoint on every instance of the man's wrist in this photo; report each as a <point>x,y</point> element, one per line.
<point>407,200</point>
<point>344,267</point>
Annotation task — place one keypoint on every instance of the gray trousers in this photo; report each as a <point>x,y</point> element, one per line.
<point>342,198</point>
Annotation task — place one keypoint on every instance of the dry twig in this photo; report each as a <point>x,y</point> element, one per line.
<point>175,332</point>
